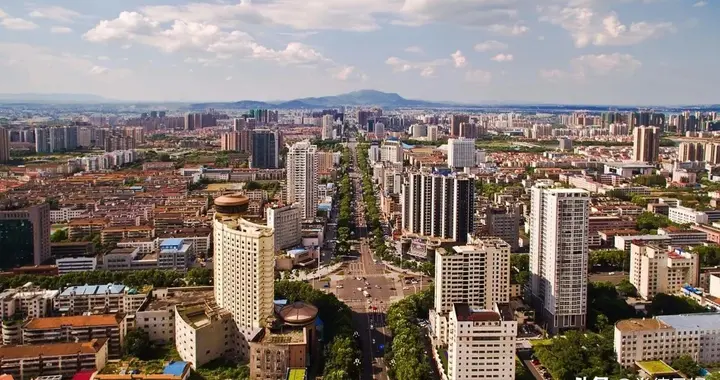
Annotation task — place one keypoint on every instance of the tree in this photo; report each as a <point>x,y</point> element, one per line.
<point>686,365</point>
<point>626,288</point>
<point>608,259</point>
<point>579,354</point>
<point>709,255</point>
<point>164,157</point>
<point>604,300</point>
<point>59,235</point>
<point>199,277</point>
<point>137,344</point>
<point>666,304</point>
<point>649,221</point>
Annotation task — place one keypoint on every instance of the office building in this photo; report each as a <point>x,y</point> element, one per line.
<point>391,151</point>
<point>481,343</point>
<point>455,121</point>
<point>328,122</point>
<point>477,274</point>
<point>654,269</point>
<point>265,149</point>
<point>559,232</point>
<point>25,236</point>
<point>667,338</point>
<point>461,153</point>
<point>646,144</point>
<point>4,145</point>
<point>244,268</point>
<point>302,178</point>
<point>438,205</point>
<point>503,223</point>
<point>691,151</point>
<point>285,222</point>
<point>239,124</point>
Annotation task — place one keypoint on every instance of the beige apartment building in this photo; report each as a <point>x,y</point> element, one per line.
<point>481,343</point>
<point>654,269</point>
<point>63,359</point>
<point>77,328</point>
<point>203,333</point>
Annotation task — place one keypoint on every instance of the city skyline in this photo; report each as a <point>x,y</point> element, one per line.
<point>551,51</point>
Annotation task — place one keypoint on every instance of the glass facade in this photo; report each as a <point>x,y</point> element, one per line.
<point>16,243</point>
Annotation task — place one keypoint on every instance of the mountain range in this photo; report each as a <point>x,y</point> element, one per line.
<point>364,98</point>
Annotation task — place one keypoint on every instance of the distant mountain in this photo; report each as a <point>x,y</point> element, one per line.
<point>355,98</point>
<point>53,98</point>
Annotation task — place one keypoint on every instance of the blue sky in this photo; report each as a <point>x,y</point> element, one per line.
<point>557,51</point>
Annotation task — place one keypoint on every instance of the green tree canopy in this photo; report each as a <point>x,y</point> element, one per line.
<point>686,365</point>
<point>137,344</point>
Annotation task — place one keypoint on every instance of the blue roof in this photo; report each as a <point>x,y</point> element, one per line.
<point>93,289</point>
<point>175,368</point>
<point>280,302</point>
<point>172,241</point>
<point>406,146</point>
<point>690,321</point>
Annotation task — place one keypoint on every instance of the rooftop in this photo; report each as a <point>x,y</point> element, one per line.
<point>175,368</point>
<point>637,324</point>
<point>296,374</point>
<point>53,349</point>
<point>655,367</point>
<point>172,241</point>
<point>186,296</point>
<point>691,321</point>
<point>87,290</point>
<point>74,321</point>
<point>466,313</point>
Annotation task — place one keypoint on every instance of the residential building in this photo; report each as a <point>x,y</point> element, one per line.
<point>157,315</point>
<point>481,343</point>
<point>687,215</point>
<point>461,153</point>
<point>285,222</point>
<point>646,144</point>
<point>438,205</point>
<point>565,144</point>
<point>26,302</point>
<point>654,269</point>
<point>77,328</point>
<point>231,141</point>
<point>203,333</point>
<point>503,223</point>
<point>477,274</point>
<point>559,232</point>
<point>98,299</point>
<point>25,236</point>
<point>667,338</point>
<point>391,151</point>
<point>302,178</point>
<point>175,254</point>
<point>244,268</point>
<point>265,149</point>
<point>691,151</point>
<point>61,359</point>
<point>455,121</point>
<point>328,122</point>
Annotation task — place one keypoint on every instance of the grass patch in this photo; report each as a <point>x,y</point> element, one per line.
<point>540,342</point>
<point>443,358</point>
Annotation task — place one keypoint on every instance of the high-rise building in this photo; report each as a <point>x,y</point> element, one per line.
<point>380,130</point>
<point>230,141</point>
<point>503,223</point>
<point>302,178</point>
<point>432,133</point>
<point>265,149</point>
<point>468,130</point>
<point>41,140</point>
<point>712,153</point>
<point>328,122</point>
<point>559,232</point>
<point>244,268</point>
<point>691,151</point>
<point>285,222</point>
<point>654,270</point>
<point>438,205</point>
<point>70,137</point>
<point>362,117</point>
<point>646,144</point>
<point>481,343</point>
<point>239,125</point>
<point>56,139</point>
<point>4,145</point>
<point>461,153</point>
<point>189,121</point>
<point>198,121</point>
<point>25,236</point>
<point>564,144</point>
<point>455,121</point>
<point>391,151</point>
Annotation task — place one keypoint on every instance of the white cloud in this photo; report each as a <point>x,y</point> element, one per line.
<point>414,49</point>
<point>346,73</point>
<point>103,58</point>
<point>3,14</point>
<point>478,76</point>
<point>508,30</point>
<point>426,69</point>
<point>14,23</point>
<point>459,59</point>
<point>490,45</point>
<point>98,70</point>
<point>503,58</point>
<point>592,65</point>
<point>472,13</point>
<point>228,78</point>
<point>587,27</point>
<point>700,4</point>
<point>55,13</point>
<point>60,30</point>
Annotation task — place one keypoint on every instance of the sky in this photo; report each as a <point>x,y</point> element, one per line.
<point>624,52</point>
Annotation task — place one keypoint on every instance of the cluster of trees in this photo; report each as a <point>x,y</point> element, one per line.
<point>520,268</point>
<point>342,351</point>
<point>605,306</point>
<point>334,145</point>
<point>651,180</point>
<point>345,212</point>
<point>488,189</point>
<point>221,369</point>
<point>648,222</point>
<point>407,356</point>
<point>709,255</point>
<point>372,213</point>
<point>156,278</point>
<point>609,259</point>
<point>667,304</point>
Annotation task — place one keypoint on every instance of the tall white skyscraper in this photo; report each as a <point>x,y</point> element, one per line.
<point>477,274</point>
<point>302,177</point>
<point>244,267</point>
<point>391,151</point>
<point>328,122</point>
<point>559,230</point>
<point>461,153</point>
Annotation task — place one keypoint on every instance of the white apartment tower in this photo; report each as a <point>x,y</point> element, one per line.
<point>654,269</point>
<point>244,267</point>
<point>391,151</point>
<point>328,122</point>
<point>302,178</point>
<point>559,231</point>
<point>477,274</point>
<point>461,153</point>
<point>285,222</point>
<point>481,343</point>
<point>438,205</point>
